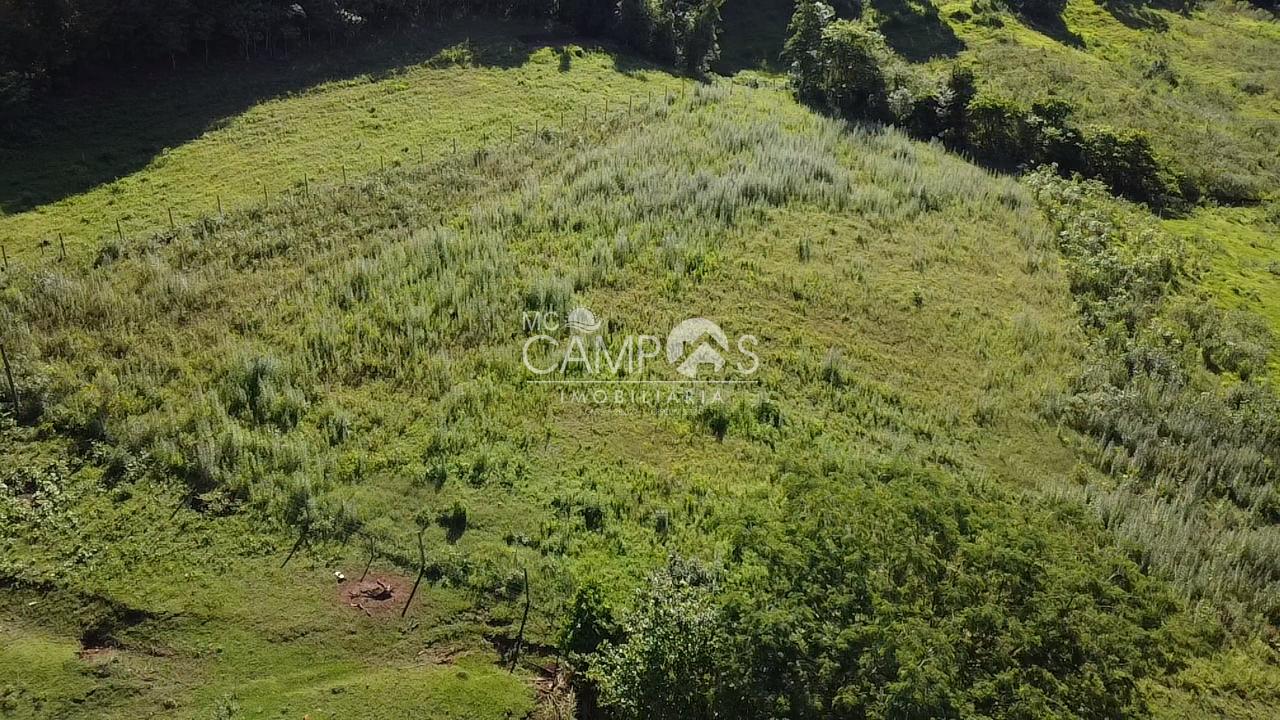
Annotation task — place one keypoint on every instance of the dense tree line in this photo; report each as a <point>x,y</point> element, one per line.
<point>846,67</point>
<point>44,40</point>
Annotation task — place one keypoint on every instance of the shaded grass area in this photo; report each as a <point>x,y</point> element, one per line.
<point>752,34</point>
<point>211,135</point>
<point>95,135</point>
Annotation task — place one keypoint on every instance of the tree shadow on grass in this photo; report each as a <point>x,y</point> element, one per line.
<point>916,31</point>
<point>1142,15</point>
<point>90,135</point>
<point>1055,28</point>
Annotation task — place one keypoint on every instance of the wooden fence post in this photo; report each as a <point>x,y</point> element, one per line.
<point>422,569</point>
<point>8,373</point>
<point>515,655</point>
<point>119,231</point>
<point>5,252</point>
<point>171,225</point>
<point>62,245</point>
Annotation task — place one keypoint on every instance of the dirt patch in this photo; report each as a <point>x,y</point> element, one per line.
<point>378,595</point>
<point>110,623</point>
<point>98,656</point>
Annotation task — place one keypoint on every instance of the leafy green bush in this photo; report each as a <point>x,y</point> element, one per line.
<point>670,660</point>
<point>1125,161</point>
<point>998,132</point>
<point>1056,141</point>
<point>892,592</point>
<point>262,389</point>
<point>852,59</point>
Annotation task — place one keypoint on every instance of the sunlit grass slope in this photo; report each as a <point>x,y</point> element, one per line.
<point>193,618</point>
<point>358,347</point>
<point>1204,84</point>
<point>344,354</point>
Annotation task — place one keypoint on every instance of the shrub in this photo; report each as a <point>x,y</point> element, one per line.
<point>1056,141</point>
<point>262,389</point>
<point>907,594</point>
<point>1125,161</point>
<point>802,49</point>
<point>984,608</point>
<point>998,132</point>
<point>668,661</point>
<point>715,418</point>
<point>852,59</point>
<point>590,621</point>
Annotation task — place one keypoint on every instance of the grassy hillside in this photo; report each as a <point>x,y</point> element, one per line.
<point>337,370</point>
<point>1204,82</point>
<point>231,134</point>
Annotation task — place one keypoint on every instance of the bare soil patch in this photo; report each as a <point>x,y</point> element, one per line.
<point>378,595</point>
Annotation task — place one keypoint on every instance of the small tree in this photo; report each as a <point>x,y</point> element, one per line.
<point>635,24</point>
<point>1057,141</point>
<point>853,58</point>
<point>1127,164</point>
<point>701,47</point>
<point>670,662</point>
<point>801,50</point>
<point>952,101</point>
<point>668,32</point>
<point>998,131</point>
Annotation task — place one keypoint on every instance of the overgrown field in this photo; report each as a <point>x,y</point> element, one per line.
<point>933,491</point>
